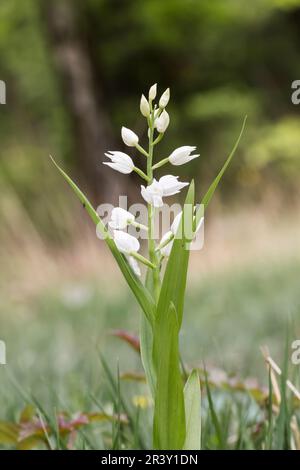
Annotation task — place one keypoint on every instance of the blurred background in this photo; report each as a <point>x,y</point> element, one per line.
<point>75,72</point>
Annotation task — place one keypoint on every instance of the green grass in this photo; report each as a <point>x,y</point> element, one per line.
<point>55,341</point>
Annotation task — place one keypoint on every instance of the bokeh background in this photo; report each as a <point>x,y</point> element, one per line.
<point>75,72</point>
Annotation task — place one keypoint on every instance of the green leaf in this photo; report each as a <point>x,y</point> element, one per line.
<point>209,194</point>
<point>192,404</point>
<point>31,442</point>
<point>174,281</point>
<point>141,293</point>
<point>146,344</point>
<point>169,414</point>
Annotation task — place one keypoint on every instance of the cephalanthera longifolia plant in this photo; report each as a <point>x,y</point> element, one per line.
<point>176,421</point>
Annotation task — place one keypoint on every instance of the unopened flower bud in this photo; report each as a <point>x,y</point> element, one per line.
<point>144,106</point>
<point>152,92</point>
<point>164,99</point>
<point>129,137</point>
<point>162,122</point>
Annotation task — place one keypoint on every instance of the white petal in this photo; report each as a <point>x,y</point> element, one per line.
<point>164,99</point>
<point>126,243</point>
<point>145,194</point>
<point>118,167</point>
<point>144,106</point>
<point>170,185</point>
<point>129,137</point>
<point>176,223</point>
<point>162,122</point>
<point>120,162</point>
<point>182,155</point>
<point>134,265</point>
<point>157,201</point>
<point>152,92</point>
<point>120,218</point>
<point>153,194</point>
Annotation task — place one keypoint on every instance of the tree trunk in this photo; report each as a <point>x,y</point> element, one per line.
<point>92,134</point>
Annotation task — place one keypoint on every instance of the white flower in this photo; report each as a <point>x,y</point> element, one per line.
<point>152,92</point>
<point>144,106</point>
<point>176,222</point>
<point>134,265</point>
<point>120,162</point>
<point>126,243</point>
<point>153,194</point>
<point>182,155</point>
<point>129,137</point>
<point>170,185</point>
<point>167,186</point>
<point>166,250</point>
<point>164,99</point>
<point>162,122</point>
<point>120,218</point>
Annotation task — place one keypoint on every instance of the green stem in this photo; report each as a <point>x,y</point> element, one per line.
<point>141,150</point>
<point>141,173</point>
<point>165,243</point>
<point>161,163</point>
<point>142,259</point>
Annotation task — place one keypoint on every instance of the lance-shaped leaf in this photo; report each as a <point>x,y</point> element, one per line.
<point>192,404</point>
<point>210,192</point>
<point>146,339</point>
<point>141,293</point>
<point>169,415</point>
<point>174,282</point>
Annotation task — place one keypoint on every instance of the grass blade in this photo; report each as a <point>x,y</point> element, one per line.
<point>169,414</point>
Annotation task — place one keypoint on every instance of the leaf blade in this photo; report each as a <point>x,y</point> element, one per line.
<point>174,281</point>
<point>169,414</point>
<point>192,404</point>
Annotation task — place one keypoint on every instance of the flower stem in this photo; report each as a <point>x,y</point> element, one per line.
<point>141,150</point>
<point>141,173</point>
<point>158,139</point>
<point>142,259</point>
<point>140,226</point>
<point>165,243</point>
<point>161,163</point>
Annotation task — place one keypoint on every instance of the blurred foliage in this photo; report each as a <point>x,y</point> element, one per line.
<point>222,60</point>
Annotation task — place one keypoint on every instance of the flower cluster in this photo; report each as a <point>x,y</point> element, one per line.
<point>153,193</point>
